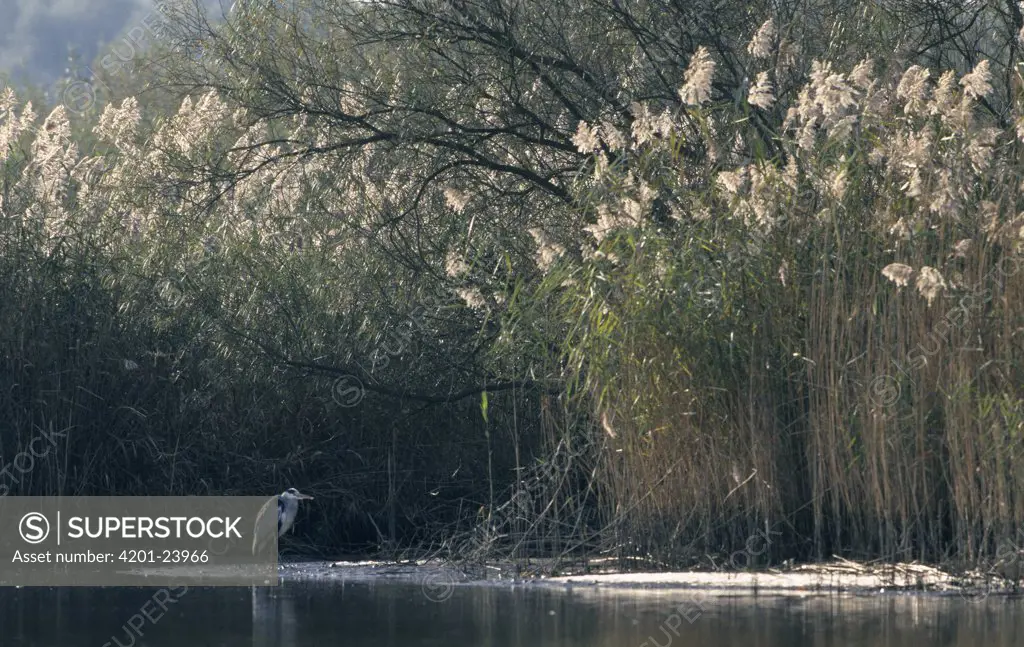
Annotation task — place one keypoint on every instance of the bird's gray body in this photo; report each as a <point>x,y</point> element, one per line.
<point>287,509</point>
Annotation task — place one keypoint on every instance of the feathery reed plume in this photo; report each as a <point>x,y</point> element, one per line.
<point>455,266</point>
<point>898,273</point>
<point>762,94</point>
<point>456,199</point>
<point>548,252</point>
<point>930,283</point>
<point>913,88</point>
<point>586,138</point>
<point>472,297</point>
<point>978,83</point>
<point>697,87</point>
<point>762,45</point>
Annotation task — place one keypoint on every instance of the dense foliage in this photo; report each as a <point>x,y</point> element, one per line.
<point>524,278</point>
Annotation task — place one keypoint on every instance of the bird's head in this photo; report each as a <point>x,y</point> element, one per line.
<point>292,493</point>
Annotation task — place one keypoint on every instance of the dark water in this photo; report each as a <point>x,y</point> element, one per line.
<point>322,614</point>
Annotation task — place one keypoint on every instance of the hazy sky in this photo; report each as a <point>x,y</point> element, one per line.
<point>35,34</point>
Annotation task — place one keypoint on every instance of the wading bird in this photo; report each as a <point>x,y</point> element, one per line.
<point>287,508</point>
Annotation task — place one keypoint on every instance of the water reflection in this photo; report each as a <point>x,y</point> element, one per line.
<point>400,615</point>
<point>273,618</point>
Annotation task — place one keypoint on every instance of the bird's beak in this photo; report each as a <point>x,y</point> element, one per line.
<point>305,496</point>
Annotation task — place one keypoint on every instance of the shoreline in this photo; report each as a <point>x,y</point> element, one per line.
<point>840,577</point>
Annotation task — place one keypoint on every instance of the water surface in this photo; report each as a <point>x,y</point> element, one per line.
<point>411,614</point>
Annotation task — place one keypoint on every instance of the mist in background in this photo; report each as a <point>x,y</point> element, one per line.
<point>37,36</point>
